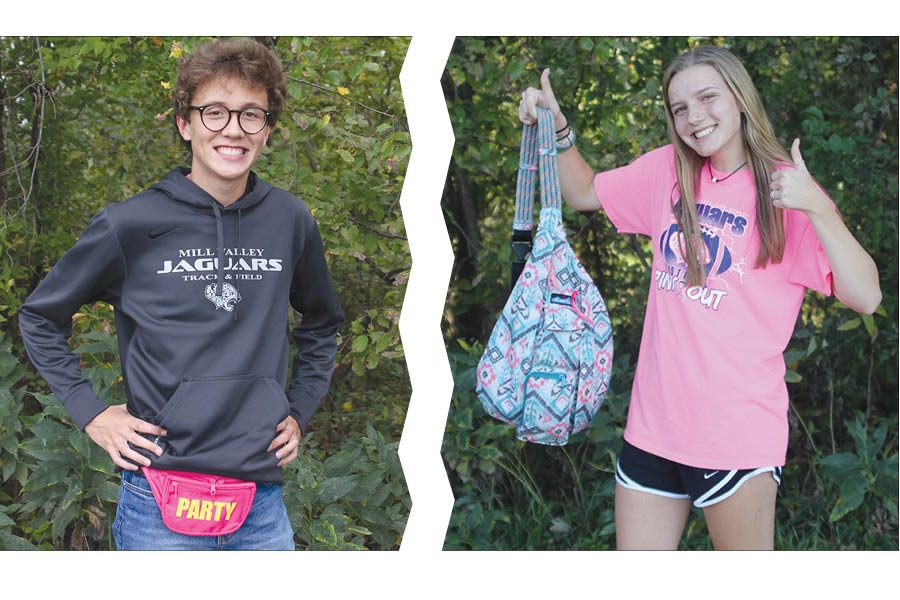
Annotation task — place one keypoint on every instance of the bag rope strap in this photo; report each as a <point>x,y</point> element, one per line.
<point>537,156</point>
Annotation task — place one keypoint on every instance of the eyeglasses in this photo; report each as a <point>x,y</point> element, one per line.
<point>216,117</point>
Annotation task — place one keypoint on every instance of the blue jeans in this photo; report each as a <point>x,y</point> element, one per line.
<point>139,526</point>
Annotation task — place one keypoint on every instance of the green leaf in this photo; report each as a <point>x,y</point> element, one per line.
<point>840,465</point>
<point>335,488</point>
<point>869,322</point>
<point>515,69</point>
<point>324,533</point>
<point>792,356</point>
<point>108,491</point>
<point>792,376</point>
<point>359,343</point>
<point>886,478</point>
<point>7,364</point>
<point>849,325</point>
<point>73,492</point>
<point>812,346</point>
<point>876,441</point>
<point>852,492</point>
<point>62,519</point>
<point>46,399</point>
<point>815,112</point>
<point>96,348</point>
<point>80,442</point>
<point>608,529</point>
<point>858,432</point>
<point>9,467</point>
<point>359,530</point>
<point>341,462</point>
<point>12,542</point>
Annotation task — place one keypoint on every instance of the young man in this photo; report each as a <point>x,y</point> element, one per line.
<point>200,269</point>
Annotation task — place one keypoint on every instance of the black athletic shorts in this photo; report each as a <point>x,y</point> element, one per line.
<point>645,472</point>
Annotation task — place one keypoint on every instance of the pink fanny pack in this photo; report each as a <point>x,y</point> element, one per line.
<point>198,504</point>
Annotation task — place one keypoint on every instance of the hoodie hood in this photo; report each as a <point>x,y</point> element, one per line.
<point>176,185</point>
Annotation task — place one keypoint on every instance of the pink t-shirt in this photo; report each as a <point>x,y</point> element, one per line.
<point>709,388</point>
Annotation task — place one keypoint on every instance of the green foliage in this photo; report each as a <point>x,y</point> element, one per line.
<point>10,408</point>
<point>839,95</point>
<point>85,122</point>
<point>63,484</point>
<point>502,499</point>
<point>344,145</point>
<point>71,482</point>
<point>869,470</point>
<point>355,499</point>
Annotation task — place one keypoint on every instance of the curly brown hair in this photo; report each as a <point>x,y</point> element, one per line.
<point>244,59</point>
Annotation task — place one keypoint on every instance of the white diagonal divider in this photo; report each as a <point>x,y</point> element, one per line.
<point>420,320</point>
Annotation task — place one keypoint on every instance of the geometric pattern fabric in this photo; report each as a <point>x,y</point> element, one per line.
<point>547,364</point>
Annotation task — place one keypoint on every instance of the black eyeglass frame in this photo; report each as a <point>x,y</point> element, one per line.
<point>200,110</point>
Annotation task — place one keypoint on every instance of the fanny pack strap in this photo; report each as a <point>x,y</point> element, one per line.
<point>536,155</point>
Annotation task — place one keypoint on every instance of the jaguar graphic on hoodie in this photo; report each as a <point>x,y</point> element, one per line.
<point>207,363</point>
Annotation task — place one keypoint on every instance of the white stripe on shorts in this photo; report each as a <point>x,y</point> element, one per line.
<point>704,500</point>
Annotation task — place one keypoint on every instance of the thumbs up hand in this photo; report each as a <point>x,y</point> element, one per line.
<point>533,98</point>
<point>794,188</point>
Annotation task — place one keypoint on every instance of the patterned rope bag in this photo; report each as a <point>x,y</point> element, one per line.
<point>547,364</point>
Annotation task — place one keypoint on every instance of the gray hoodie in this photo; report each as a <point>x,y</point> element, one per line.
<point>207,365</point>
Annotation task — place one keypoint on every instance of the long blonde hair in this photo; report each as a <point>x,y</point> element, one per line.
<point>762,148</point>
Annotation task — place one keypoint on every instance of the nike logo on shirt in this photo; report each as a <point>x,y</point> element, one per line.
<point>159,232</point>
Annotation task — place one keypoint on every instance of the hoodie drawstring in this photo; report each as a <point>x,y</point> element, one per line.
<point>220,242</point>
<point>220,238</point>
<point>235,313</point>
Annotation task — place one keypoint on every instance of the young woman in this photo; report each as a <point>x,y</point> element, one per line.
<point>740,230</point>
<point>201,270</point>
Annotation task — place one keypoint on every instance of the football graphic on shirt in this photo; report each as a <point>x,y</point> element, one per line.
<point>718,256</point>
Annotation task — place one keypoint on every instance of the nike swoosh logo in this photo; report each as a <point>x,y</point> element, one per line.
<point>708,475</point>
<point>155,233</point>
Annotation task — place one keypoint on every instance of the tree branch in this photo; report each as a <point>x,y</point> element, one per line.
<point>348,99</point>
<point>40,93</point>
<point>392,236</point>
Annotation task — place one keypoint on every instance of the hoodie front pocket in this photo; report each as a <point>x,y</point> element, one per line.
<point>222,425</point>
